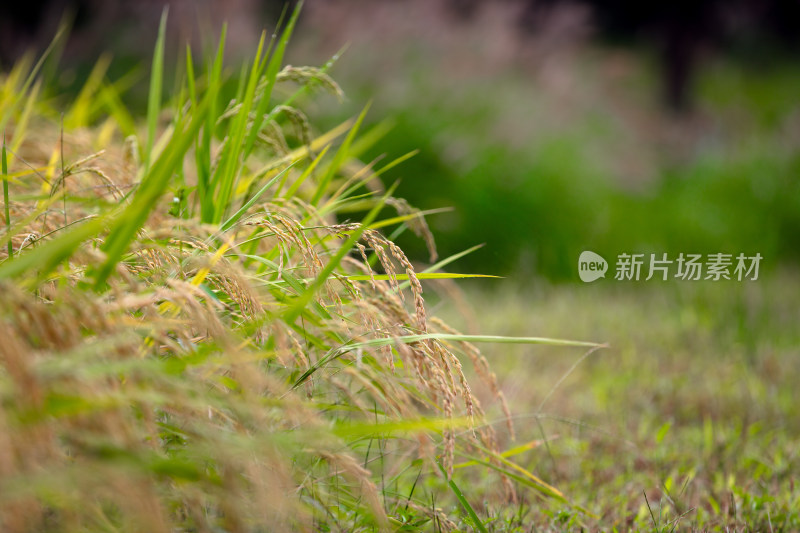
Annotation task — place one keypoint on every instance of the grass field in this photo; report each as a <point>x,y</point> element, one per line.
<point>687,421</point>
<point>207,326</point>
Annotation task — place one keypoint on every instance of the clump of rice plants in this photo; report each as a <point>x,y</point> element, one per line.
<point>192,339</point>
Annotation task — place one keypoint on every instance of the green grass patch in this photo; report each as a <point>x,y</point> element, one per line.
<point>685,422</point>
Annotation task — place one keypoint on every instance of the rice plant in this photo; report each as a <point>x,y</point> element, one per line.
<point>195,338</point>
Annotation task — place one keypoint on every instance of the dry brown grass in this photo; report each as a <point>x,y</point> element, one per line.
<point>181,397</point>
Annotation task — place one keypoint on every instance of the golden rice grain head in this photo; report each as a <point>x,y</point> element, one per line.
<point>417,224</point>
<point>416,286</point>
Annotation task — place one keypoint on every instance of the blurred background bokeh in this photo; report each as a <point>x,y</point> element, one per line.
<point>549,126</point>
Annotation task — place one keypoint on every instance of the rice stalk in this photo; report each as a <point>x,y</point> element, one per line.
<point>222,366</point>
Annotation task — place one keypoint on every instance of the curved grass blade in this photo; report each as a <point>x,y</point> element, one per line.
<point>361,430</point>
<point>387,341</point>
<point>203,155</point>
<point>339,158</point>
<point>303,151</point>
<point>430,275</point>
<point>516,450</point>
<point>156,83</point>
<point>473,516</point>
<point>306,173</point>
<point>441,264</point>
<point>545,487</point>
<point>6,200</point>
<point>232,157</point>
<point>396,162</point>
<point>236,216</point>
<point>47,256</point>
<point>405,218</point>
<point>495,339</point>
<point>153,185</point>
<point>275,62</point>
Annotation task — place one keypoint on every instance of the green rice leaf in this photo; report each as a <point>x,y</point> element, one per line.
<point>156,84</point>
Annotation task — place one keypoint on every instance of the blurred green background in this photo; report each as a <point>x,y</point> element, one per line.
<point>550,143</point>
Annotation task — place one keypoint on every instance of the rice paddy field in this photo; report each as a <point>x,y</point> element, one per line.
<point>219,312</point>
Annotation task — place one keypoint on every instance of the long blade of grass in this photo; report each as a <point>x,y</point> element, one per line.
<point>386,277</point>
<point>473,516</point>
<point>203,149</point>
<point>430,275</point>
<point>370,138</point>
<point>275,62</point>
<point>494,339</point>
<point>304,151</point>
<point>525,473</point>
<point>339,158</point>
<point>404,218</point>
<point>6,198</point>
<point>396,162</point>
<point>21,126</point>
<point>190,79</point>
<point>359,430</point>
<point>12,90</point>
<point>56,43</point>
<point>516,450</point>
<point>110,95</point>
<point>153,185</point>
<point>79,114</point>
<point>295,186</point>
<point>47,256</point>
<point>224,179</point>
<point>156,84</point>
<point>387,341</point>
<point>536,483</point>
<point>236,216</point>
<point>443,263</point>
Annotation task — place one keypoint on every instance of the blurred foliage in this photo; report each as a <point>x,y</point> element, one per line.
<point>722,180</point>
